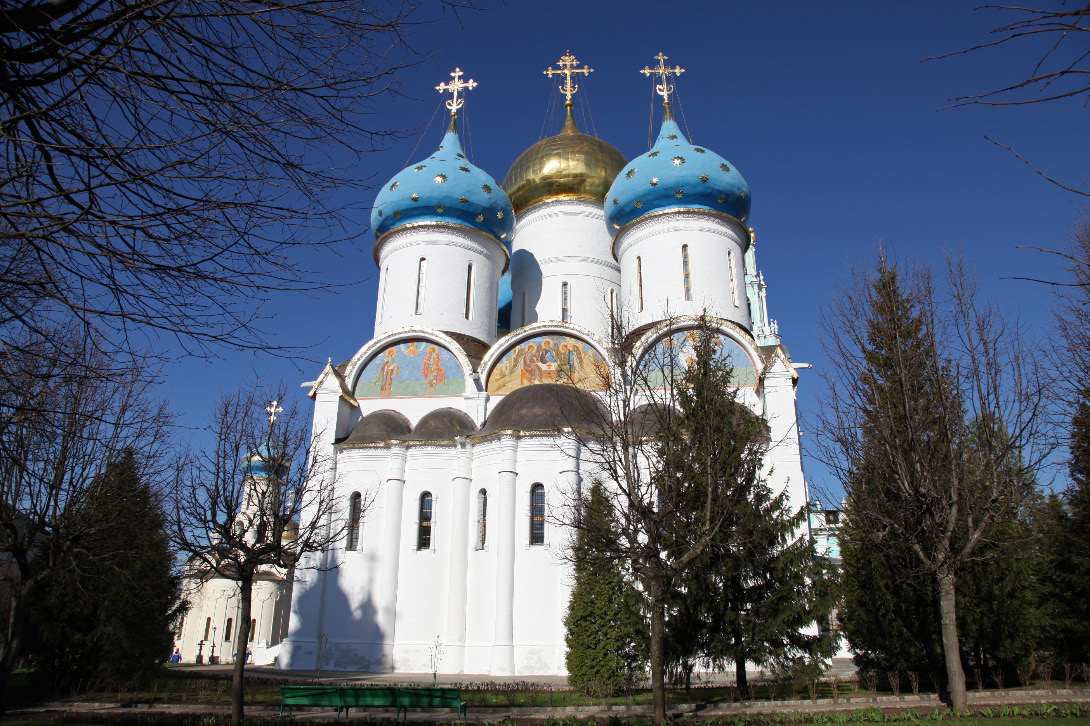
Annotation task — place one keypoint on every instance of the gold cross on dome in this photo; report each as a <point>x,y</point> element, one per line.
<point>272,410</point>
<point>568,63</point>
<point>664,89</point>
<point>453,87</point>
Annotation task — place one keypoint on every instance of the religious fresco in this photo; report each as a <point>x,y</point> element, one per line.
<point>676,352</point>
<point>549,358</point>
<point>409,369</point>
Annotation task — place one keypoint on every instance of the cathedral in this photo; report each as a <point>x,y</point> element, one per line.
<point>492,330</point>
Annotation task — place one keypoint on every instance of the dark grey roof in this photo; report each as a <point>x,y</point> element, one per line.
<point>546,407</point>
<point>379,426</point>
<point>648,419</point>
<point>443,424</point>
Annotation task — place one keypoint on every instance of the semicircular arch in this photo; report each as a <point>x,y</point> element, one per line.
<point>402,364</point>
<point>670,346</point>
<point>546,352</point>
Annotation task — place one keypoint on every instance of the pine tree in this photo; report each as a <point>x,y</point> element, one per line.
<point>110,614</point>
<point>605,638</point>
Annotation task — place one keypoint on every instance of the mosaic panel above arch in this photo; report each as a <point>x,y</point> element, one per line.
<point>549,358</point>
<point>676,352</point>
<point>409,369</point>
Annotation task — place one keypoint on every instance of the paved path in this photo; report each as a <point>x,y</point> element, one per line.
<point>922,703</point>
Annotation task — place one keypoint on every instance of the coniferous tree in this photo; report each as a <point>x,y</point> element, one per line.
<point>605,638</point>
<point>110,613</point>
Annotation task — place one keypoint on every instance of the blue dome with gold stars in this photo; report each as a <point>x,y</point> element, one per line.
<point>445,187</point>
<point>675,174</point>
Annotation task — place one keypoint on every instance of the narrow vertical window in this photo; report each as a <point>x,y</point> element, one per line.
<point>565,307</point>
<point>524,308</point>
<point>382,306</point>
<point>685,271</point>
<point>537,514</point>
<point>639,283</point>
<point>207,627</point>
<point>227,632</point>
<point>423,531</point>
<point>469,290</point>
<point>355,510</point>
<point>421,279</point>
<point>733,286</point>
<point>253,629</point>
<point>482,518</point>
<point>612,304</point>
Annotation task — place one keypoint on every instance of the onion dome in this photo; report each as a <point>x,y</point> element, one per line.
<point>445,187</point>
<point>570,164</point>
<point>674,174</point>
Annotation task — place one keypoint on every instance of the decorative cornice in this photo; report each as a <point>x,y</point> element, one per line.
<point>417,228</point>
<point>543,208</point>
<point>680,212</point>
<point>522,271</point>
<point>328,371</point>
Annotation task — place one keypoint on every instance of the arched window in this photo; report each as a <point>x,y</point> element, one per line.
<point>685,271</point>
<point>733,285</point>
<point>482,519</point>
<point>253,629</point>
<point>355,510</point>
<point>227,632</point>
<point>421,279</point>
<point>469,290</point>
<point>565,303</point>
<point>537,514</point>
<point>639,283</point>
<point>207,627</point>
<point>423,531</point>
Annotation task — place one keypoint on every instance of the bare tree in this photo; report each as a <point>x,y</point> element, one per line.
<point>164,160</point>
<point>255,500</point>
<point>1062,70</point>
<point>933,417</point>
<point>61,427</point>
<point>674,472</point>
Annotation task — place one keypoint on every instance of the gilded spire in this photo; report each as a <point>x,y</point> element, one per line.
<point>453,87</point>
<point>665,88</point>
<point>568,63</point>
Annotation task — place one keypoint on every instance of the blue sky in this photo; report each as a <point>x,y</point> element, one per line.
<point>825,108</point>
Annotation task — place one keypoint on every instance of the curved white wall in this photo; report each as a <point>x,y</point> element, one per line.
<point>716,247</point>
<point>449,251</point>
<point>563,240</point>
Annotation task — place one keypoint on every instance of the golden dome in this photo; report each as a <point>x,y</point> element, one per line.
<point>570,164</point>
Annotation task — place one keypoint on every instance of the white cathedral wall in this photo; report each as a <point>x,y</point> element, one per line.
<point>448,251</point>
<point>558,241</point>
<point>650,250</point>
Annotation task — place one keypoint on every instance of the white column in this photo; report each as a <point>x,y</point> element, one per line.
<point>391,552</point>
<point>459,562</point>
<point>569,475</point>
<point>503,651</point>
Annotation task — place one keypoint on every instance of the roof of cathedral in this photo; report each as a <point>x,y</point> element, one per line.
<point>675,174</point>
<point>443,424</point>
<point>379,426</point>
<point>546,407</point>
<point>444,188</point>
<point>570,164</point>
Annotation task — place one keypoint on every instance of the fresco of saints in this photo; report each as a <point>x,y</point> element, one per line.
<point>432,369</point>
<point>387,372</point>
<point>412,349</point>
<point>531,370</point>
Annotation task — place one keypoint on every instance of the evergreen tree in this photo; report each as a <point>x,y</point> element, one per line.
<point>605,638</point>
<point>760,584</point>
<point>110,614</point>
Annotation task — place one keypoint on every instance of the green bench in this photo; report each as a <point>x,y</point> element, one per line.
<point>346,697</point>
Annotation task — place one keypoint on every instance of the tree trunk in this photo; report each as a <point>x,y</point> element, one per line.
<point>740,676</point>
<point>242,636</point>
<point>10,647</point>
<point>658,632</point>
<point>951,648</point>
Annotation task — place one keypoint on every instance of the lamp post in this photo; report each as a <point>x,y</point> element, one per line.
<point>212,655</point>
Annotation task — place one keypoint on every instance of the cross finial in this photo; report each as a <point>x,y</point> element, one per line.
<point>665,88</point>
<point>453,87</point>
<point>568,63</point>
<point>273,409</point>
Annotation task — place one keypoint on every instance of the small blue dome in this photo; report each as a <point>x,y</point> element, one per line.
<point>675,174</point>
<point>445,187</point>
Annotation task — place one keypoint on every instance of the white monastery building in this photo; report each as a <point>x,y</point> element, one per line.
<point>447,421</point>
